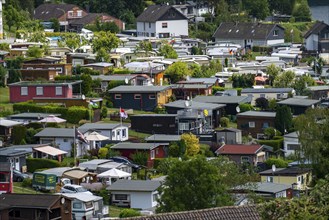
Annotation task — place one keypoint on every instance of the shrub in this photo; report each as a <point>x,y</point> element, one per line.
<point>104,112</point>
<point>18,134</point>
<point>156,162</point>
<point>278,162</point>
<point>76,113</point>
<point>245,107</point>
<point>38,163</point>
<point>270,132</point>
<point>113,84</point>
<point>129,213</point>
<point>217,89</point>
<point>105,194</point>
<point>205,150</point>
<point>276,144</point>
<point>224,121</point>
<point>27,182</point>
<point>140,158</point>
<point>102,153</point>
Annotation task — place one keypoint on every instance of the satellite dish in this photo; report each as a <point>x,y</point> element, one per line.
<point>187,103</point>
<point>62,200</point>
<point>126,80</point>
<point>312,106</point>
<point>273,168</point>
<point>83,97</point>
<point>237,109</point>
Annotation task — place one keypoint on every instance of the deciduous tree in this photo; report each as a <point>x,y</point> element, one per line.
<point>177,71</point>
<point>106,40</point>
<point>283,119</point>
<point>191,142</point>
<point>167,51</point>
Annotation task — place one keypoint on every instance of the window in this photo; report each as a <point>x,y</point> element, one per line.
<point>265,125</point>
<point>65,140</point>
<point>77,205</point>
<point>4,178</point>
<point>157,125</point>
<point>59,70</point>
<point>293,147</point>
<point>24,91</point>
<point>279,96</point>
<point>245,159</point>
<point>164,25</point>
<point>155,197</point>
<point>270,179</point>
<point>152,35</point>
<point>251,124</point>
<point>137,96</point>
<point>152,154</point>
<point>124,132</point>
<point>156,151</point>
<point>184,126</point>
<point>149,24</point>
<point>144,25</point>
<point>120,197</point>
<point>262,95</point>
<point>151,96</point>
<point>39,90</point>
<point>79,13</point>
<point>275,33</point>
<point>117,96</point>
<point>59,90</point>
<point>89,205</point>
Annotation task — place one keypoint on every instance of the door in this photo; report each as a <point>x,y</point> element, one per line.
<point>16,166</point>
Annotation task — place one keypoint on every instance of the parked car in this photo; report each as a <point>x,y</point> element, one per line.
<point>125,160</point>
<point>19,177</point>
<point>72,188</point>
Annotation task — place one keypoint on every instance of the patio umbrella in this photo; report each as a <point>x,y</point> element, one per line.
<point>114,173</point>
<point>52,119</point>
<point>94,136</point>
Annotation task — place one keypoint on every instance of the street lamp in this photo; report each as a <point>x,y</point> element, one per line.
<point>65,22</point>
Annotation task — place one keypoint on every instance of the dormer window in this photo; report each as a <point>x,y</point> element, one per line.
<point>79,13</point>
<point>275,33</point>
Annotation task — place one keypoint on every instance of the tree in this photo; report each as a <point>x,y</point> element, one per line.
<point>177,71</point>
<point>167,51</point>
<point>243,81</point>
<point>285,80</point>
<point>257,8</point>
<point>192,184</point>
<point>3,73</point>
<point>313,135</point>
<point>102,55</point>
<point>191,144</point>
<point>140,158</point>
<point>176,149</point>
<point>73,41</point>
<point>302,11</point>
<point>55,24</point>
<point>145,46</point>
<point>282,6</point>
<point>106,40</point>
<point>262,103</point>
<point>86,84</point>
<point>283,119</point>
<point>301,84</point>
<point>272,71</point>
<point>196,70</point>
<point>12,17</point>
<point>272,104</point>
<point>35,52</point>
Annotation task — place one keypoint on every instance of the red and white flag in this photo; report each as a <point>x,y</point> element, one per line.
<point>123,113</point>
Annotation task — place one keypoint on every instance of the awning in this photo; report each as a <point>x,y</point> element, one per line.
<point>50,150</point>
<point>77,174</point>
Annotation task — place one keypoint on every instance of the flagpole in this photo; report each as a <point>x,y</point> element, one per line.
<point>74,145</point>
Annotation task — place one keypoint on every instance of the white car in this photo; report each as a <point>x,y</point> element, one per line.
<point>72,188</point>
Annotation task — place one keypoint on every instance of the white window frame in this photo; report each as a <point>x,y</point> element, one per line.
<point>39,90</point>
<point>117,96</point>
<point>164,25</point>
<point>275,33</point>
<point>243,159</point>
<point>269,179</point>
<point>24,91</point>
<point>57,91</point>
<point>184,126</point>
<point>152,154</point>
<point>251,124</point>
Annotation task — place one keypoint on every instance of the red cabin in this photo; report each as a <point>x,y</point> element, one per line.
<point>6,180</point>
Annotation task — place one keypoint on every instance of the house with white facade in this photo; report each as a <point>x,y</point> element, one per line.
<point>136,194</point>
<point>249,34</point>
<point>268,93</point>
<point>317,38</point>
<point>115,132</point>
<point>162,21</point>
<point>291,143</point>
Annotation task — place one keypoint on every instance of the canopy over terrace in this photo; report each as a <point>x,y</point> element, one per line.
<point>51,152</point>
<point>79,176</point>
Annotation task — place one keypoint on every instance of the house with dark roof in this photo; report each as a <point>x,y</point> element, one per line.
<point>155,123</point>
<point>249,34</point>
<point>241,153</point>
<point>254,122</point>
<point>317,38</point>
<point>229,136</point>
<point>182,91</point>
<point>231,102</point>
<point>300,177</point>
<point>145,98</point>
<point>136,194</point>
<point>319,92</point>
<point>268,93</point>
<point>28,117</point>
<point>35,206</point>
<point>6,127</point>
<point>211,111</point>
<point>218,213</point>
<point>299,105</point>
<point>154,150</point>
<point>162,138</point>
<point>162,21</point>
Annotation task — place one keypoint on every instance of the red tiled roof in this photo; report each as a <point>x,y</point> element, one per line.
<point>239,149</point>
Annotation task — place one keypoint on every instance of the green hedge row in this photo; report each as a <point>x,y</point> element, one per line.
<point>156,162</point>
<point>276,144</point>
<point>34,164</point>
<point>262,49</point>
<point>72,114</point>
<point>221,89</point>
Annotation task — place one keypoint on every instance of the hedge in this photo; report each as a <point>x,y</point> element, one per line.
<point>156,162</point>
<point>34,164</point>
<point>72,114</point>
<point>278,162</point>
<point>262,49</point>
<point>276,144</point>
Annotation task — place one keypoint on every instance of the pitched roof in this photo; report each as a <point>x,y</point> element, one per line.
<point>290,171</point>
<point>267,90</point>
<point>140,89</point>
<point>190,86</point>
<point>218,213</point>
<point>195,105</point>
<point>47,11</point>
<point>134,185</point>
<point>231,30</point>
<point>114,77</point>
<point>257,114</point>
<point>291,135</point>
<point>8,123</point>
<point>12,151</point>
<point>318,88</point>
<point>90,18</point>
<point>316,28</point>
<point>264,187</point>
<point>154,13</point>
<point>163,137</point>
<point>98,126</point>
<point>137,146</point>
<point>222,99</point>
<point>40,201</point>
<point>239,149</point>
<point>29,115</point>
<point>299,102</point>
<point>56,132</point>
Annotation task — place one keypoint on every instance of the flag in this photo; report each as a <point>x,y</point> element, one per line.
<point>80,136</point>
<point>123,113</point>
<point>231,52</point>
<point>92,105</point>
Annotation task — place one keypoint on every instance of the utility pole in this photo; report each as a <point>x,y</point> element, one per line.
<point>1,20</point>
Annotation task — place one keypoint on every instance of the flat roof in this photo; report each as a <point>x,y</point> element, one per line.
<point>163,137</point>
<point>134,185</point>
<point>137,146</point>
<point>194,105</point>
<point>222,99</point>
<point>258,114</point>
<point>140,89</point>
<point>267,90</point>
<point>56,132</point>
<point>8,123</point>
<point>98,126</point>
<point>40,83</point>
<point>299,102</point>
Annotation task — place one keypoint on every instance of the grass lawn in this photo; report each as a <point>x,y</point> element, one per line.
<point>4,100</point>
<point>138,134</point>
<point>18,188</point>
<point>114,211</point>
